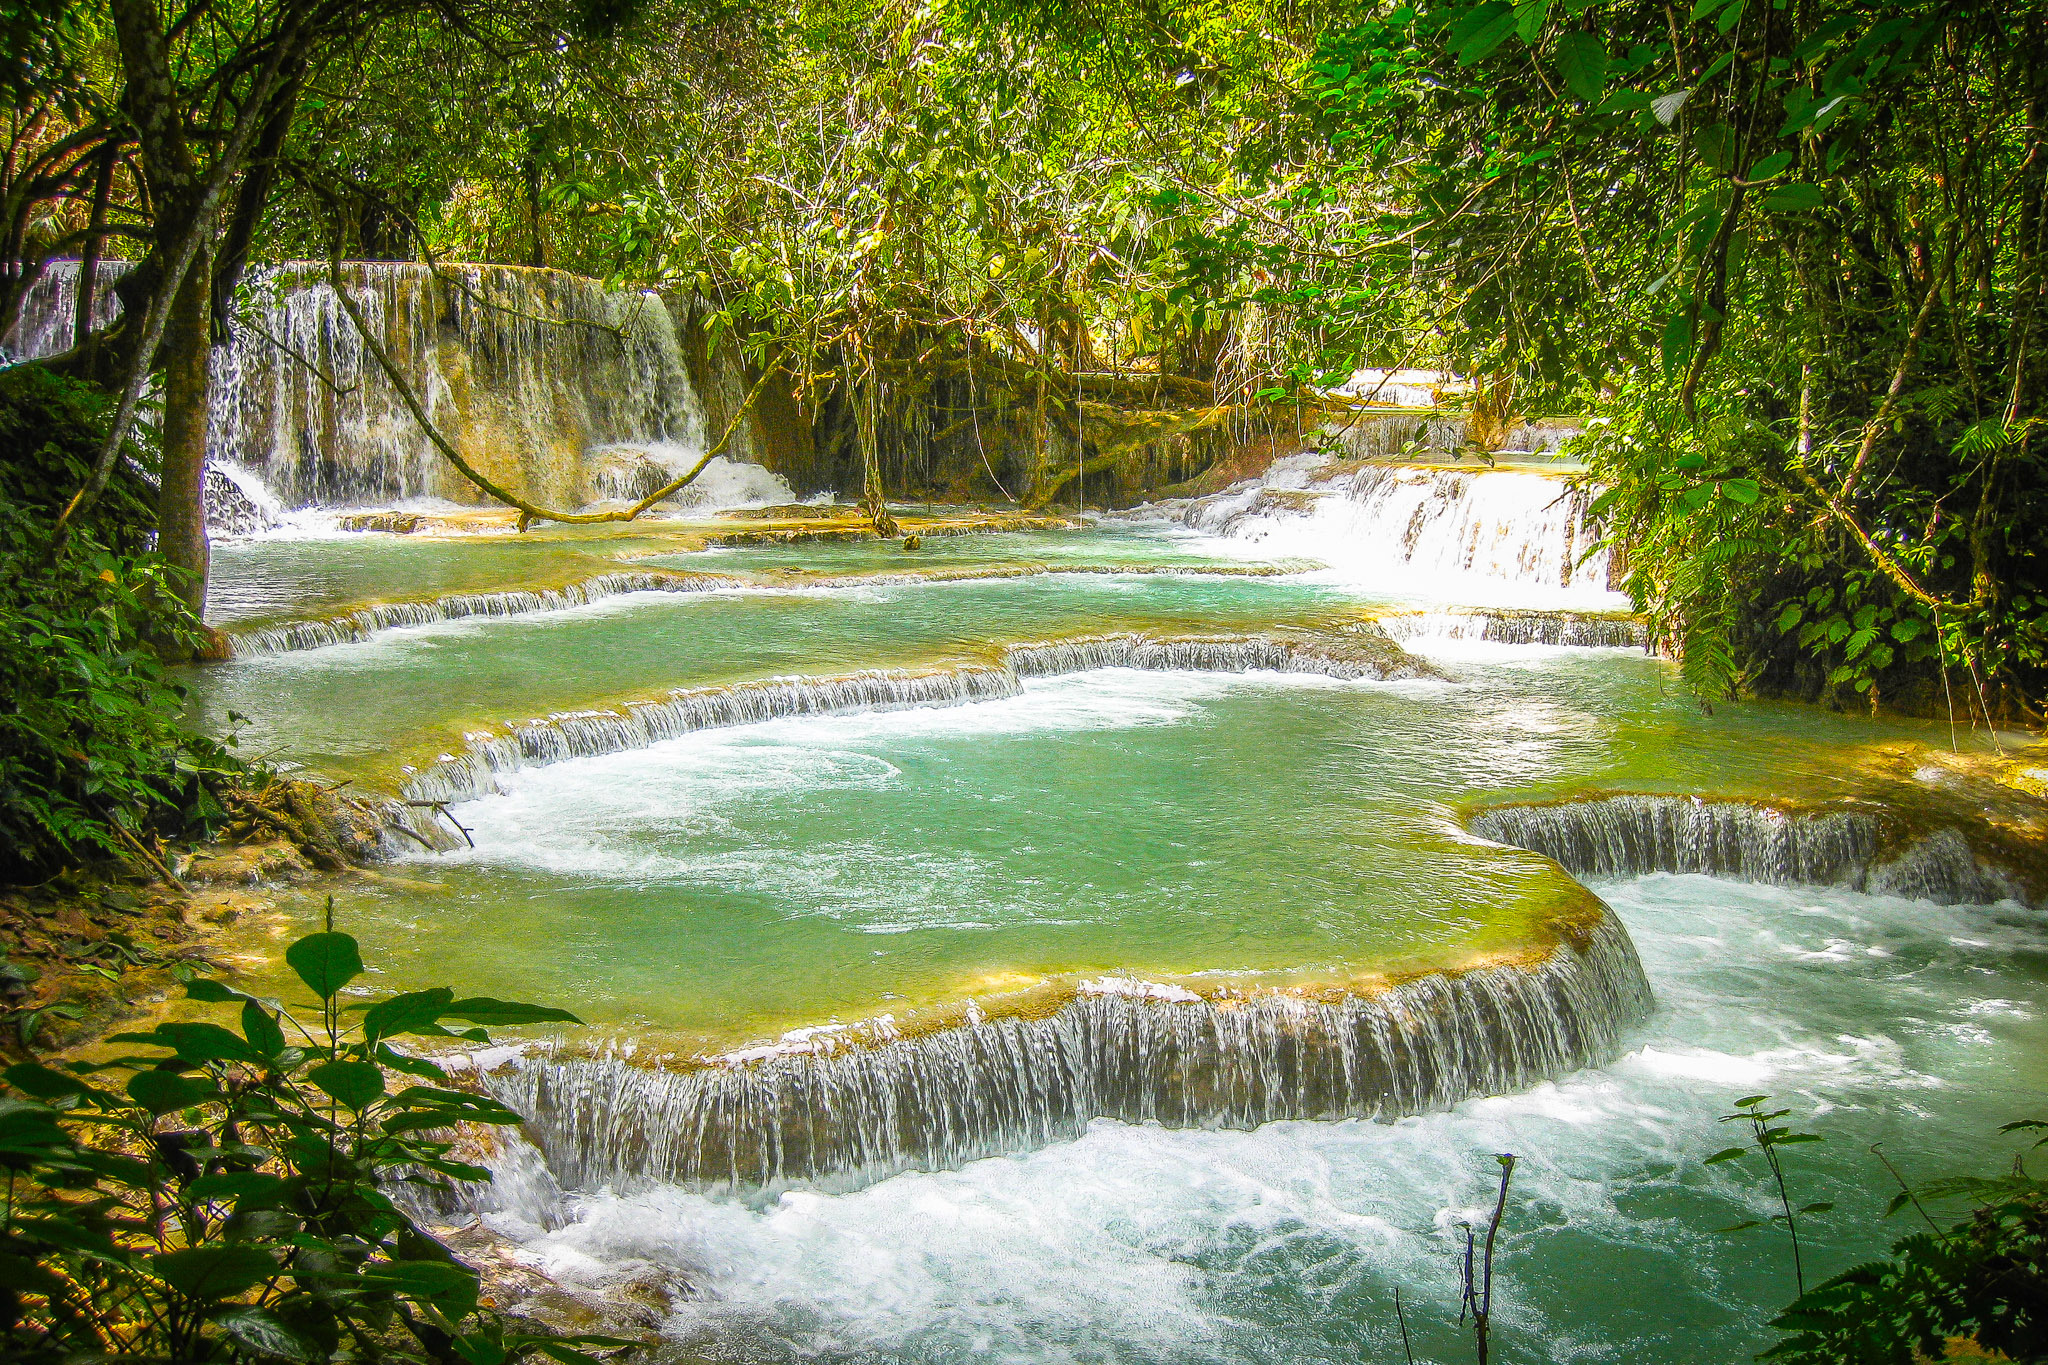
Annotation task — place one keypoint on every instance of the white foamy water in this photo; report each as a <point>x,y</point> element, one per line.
<point>1878,1019</point>
<point>1427,533</point>
<point>633,814</point>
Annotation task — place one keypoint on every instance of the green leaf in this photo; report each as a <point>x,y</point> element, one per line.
<point>261,1029</point>
<point>355,1084</point>
<point>261,1332</point>
<point>1582,57</point>
<point>1750,1101</point>
<point>438,1280</point>
<point>203,1043</point>
<point>1530,16</point>
<point>1489,36</point>
<point>1744,491</point>
<point>1907,628</point>
<point>236,1185</point>
<point>411,1012</point>
<point>1677,343</point>
<point>33,1078</point>
<point>162,1091</point>
<point>1744,1226</point>
<point>1772,165</point>
<point>211,991</point>
<point>325,962</point>
<point>213,1272</point>
<point>1716,146</point>
<point>481,1009</point>
<point>1816,1208</point>
<point>1795,197</point>
<point>1726,1154</point>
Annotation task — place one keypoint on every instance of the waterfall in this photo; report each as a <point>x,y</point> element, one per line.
<point>1865,850</point>
<point>1585,630</point>
<point>1417,526</point>
<point>366,622</point>
<point>549,383</point>
<point>49,310</point>
<point>473,773</point>
<point>847,1114</point>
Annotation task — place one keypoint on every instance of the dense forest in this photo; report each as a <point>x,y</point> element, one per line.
<point>1790,257</point>
<point>1785,262</point>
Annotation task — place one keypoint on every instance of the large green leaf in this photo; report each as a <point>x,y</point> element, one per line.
<point>1475,37</point>
<point>200,1043</point>
<point>1582,57</point>
<point>325,962</point>
<point>213,1272</point>
<point>412,1012</point>
<point>162,1091</point>
<point>1795,197</point>
<point>481,1009</point>
<point>355,1084</point>
<point>262,1030</point>
<point>261,1332</point>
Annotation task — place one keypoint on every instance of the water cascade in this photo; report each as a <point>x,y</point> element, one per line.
<point>554,739</point>
<point>548,382</point>
<point>367,622</point>
<point>1584,630</point>
<point>1419,525</point>
<point>1140,1052</point>
<point>1864,850</point>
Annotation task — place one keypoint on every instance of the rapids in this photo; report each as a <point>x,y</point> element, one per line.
<point>1127,943</point>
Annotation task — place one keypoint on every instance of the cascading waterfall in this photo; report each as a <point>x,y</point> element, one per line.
<point>367,622</point>
<point>548,382</point>
<point>1627,836</point>
<point>1421,525</point>
<point>474,773</point>
<point>49,310</point>
<point>525,370</point>
<point>1577,629</point>
<point>1118,1049</point>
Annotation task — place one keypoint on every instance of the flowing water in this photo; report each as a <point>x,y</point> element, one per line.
<point>1120,944</point>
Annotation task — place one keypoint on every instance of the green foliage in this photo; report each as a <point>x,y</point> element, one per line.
<point>1983,1279</point>
<point>92,735</point>
<point>226,1194</point>
<point>1789,240</point>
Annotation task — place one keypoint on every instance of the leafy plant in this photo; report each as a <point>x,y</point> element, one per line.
<point>227,1193</point>
<point>1767,1138</point>
<point>93,756</point>
<point>1983,1279</point>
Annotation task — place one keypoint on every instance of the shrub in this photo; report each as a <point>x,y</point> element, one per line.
<point>230,1198</point>
<point>92,754</point>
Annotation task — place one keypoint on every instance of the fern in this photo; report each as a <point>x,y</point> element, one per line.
<point>1706,661</point>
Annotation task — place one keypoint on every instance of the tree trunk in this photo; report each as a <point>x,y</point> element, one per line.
<point>181,499</point>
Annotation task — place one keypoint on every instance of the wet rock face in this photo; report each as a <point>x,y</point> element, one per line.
<point>391,523</point>
<point>627,474</point>
<point>230,511</point>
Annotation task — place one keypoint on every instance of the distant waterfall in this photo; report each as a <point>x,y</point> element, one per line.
<point>1420,528</point>
<point>1626,836</point>
<point>1584,630</point>
<point>367,622</point>
<point>1140,1054</point>
<point>49,311</point>
<point>474,772</point>
<point>549,383</point>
